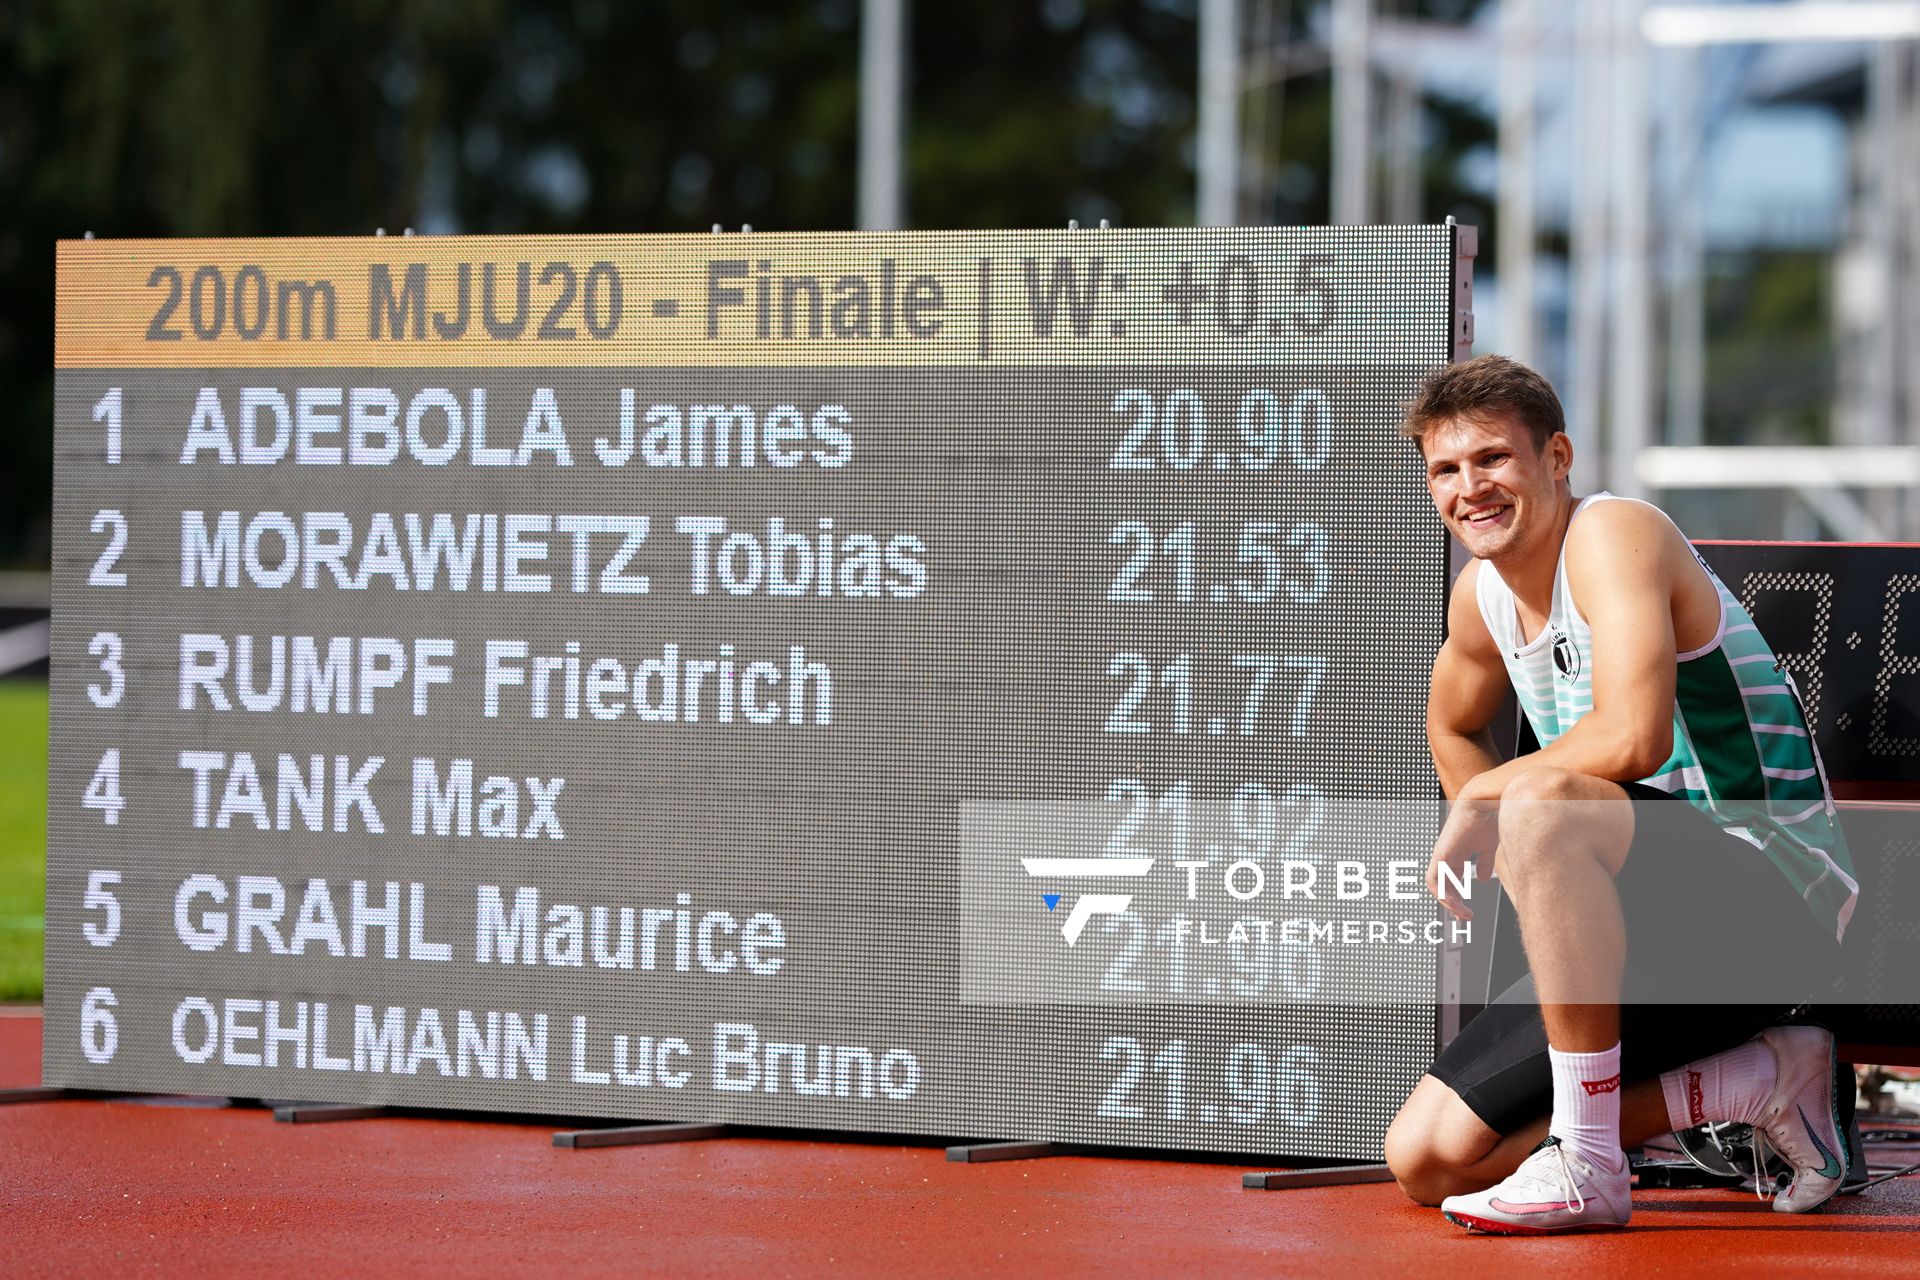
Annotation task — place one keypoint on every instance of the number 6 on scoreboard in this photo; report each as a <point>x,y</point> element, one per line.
<point>99,1032</point>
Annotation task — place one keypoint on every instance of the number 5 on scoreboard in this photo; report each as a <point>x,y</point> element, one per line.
<point>101,933</point>
<point>103,792</point>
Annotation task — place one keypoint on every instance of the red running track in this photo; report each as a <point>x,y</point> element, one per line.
<point>114,1188</point>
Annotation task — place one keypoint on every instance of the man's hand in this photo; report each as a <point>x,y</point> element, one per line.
<point>1471,834</point>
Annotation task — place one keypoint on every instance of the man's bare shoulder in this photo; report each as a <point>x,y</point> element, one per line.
<point>1610,537</point>
<point>1466,628</point>
<point>1463,586</point>
<point>1625,562</point>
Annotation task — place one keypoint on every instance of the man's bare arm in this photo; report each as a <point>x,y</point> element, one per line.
<point>1469,684</point>
<point>1622,560</point>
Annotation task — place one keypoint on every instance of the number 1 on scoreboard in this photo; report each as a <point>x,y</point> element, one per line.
<point>107,410</point>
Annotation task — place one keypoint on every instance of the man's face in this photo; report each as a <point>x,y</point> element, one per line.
<point>1495,490</point>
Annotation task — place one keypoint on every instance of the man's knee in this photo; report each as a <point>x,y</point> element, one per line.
<point>1421,1167</point>
<point>1414,1163</point>
<point>1434,1143</point>
<point>1543,784</point>
<point>1548,813</point>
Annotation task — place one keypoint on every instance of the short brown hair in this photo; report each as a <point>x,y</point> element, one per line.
<point>1480,388</point>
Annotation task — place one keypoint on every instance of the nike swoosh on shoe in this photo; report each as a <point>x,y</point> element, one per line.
<point>1831,1169</point>
<point>1504,1206</point>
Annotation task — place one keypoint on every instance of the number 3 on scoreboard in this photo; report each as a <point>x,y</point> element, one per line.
<point>106,646</point>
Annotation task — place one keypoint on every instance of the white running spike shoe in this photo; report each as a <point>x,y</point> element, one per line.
<point>1801,1120</point>
<point>1553,1191</point>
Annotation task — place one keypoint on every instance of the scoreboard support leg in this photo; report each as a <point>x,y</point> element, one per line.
<point>1350,1175</point>
<point>637,1135</point>
<point>53,1093</point>
<point>47,1094</point>
<point>326,1112</point>
<point>991,1152</point>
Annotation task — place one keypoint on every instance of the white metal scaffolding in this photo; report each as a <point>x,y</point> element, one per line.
<point>1622,84</point>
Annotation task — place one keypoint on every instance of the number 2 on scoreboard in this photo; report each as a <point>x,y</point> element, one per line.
<point>114,525</point>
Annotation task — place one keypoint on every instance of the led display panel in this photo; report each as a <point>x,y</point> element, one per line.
<point>825,680</point>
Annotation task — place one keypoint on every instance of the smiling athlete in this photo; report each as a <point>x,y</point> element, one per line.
<point>1671,850</point>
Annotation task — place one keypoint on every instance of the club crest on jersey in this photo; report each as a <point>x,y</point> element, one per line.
<point>1566,656</point>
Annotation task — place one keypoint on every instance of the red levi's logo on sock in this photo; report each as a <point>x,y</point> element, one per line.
<point>1696,1102</point>
<point>1595,1087</point>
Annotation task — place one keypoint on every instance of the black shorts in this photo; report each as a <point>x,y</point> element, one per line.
<point>1701,907</point>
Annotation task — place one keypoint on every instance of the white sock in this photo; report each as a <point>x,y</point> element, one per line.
<point>1586,1105</point>
<point>1732,1086</point>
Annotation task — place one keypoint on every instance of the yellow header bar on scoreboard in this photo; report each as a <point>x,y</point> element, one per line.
<point>1254,296</point>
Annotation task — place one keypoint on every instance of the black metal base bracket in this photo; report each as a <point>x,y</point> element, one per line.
<point>326,1112</point>
<point>638,1135</point>
<point>1349,1175</point>
<point>990,1152</point>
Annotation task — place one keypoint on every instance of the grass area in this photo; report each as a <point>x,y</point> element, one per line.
<point>23,836</point>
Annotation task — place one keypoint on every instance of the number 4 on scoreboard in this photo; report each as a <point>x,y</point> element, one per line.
<point>103,792</point>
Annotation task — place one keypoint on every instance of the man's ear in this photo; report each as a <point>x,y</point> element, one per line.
<point>1560,453</point>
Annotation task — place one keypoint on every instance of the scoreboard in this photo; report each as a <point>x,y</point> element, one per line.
<point>958,684</point>
<point>1833,613</point>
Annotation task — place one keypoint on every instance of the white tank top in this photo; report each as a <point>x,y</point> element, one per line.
<point>1741,750</point>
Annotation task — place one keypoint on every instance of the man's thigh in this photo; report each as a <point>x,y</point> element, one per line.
<point>1705,912</point>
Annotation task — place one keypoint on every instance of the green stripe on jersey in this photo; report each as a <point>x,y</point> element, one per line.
<point>1707,700</point>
